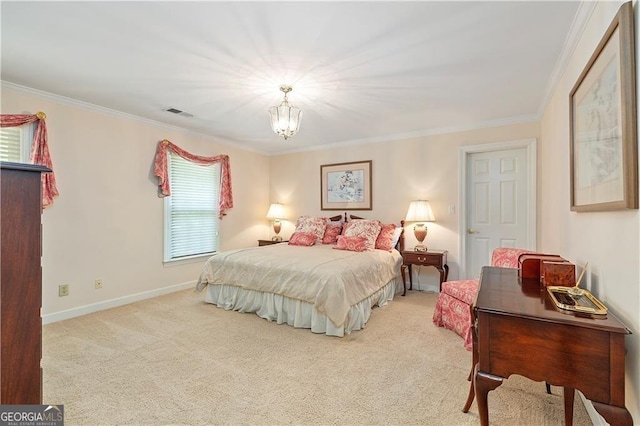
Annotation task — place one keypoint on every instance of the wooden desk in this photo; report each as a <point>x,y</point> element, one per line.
<point>520,331</point>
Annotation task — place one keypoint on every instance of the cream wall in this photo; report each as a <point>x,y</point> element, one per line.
<point>403,170</point>
<point>108,220</point>
<point>609,241</point>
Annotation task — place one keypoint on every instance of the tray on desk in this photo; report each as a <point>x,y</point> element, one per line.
<point>584,303</point>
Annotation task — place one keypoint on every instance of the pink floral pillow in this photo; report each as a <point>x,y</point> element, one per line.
<point>312,224</point>
<point>369,229</point>
<point>385,237</point>
<point>351,243</point>
<point>312,218</point>
<point>302,239</point>
<point>331,233</point>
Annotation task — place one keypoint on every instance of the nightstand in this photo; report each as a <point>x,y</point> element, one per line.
<point>269,242</point>
<point>435,258</point>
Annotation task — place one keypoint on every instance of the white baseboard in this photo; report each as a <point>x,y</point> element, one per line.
<point>425,279</point>
<point>424,287</point>
<point>112,303</point>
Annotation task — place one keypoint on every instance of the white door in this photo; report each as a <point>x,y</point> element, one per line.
<point>499,207</point>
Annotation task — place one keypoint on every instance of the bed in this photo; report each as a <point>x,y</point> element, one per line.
<point>316,286</point>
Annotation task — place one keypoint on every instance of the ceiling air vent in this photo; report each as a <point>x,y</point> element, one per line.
<point>178,112</point>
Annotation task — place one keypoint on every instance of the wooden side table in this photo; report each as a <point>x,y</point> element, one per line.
<point>269,242</point>
<point>435,258</point>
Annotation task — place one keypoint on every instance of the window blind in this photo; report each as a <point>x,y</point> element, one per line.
<point>191,213</point>
<point>11,144</point>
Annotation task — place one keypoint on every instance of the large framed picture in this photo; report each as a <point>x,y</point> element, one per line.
<point>603,139</point>
<point>346,186</point>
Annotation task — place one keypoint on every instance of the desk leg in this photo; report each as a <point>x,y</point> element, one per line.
<point>472,392</point>
<point>569,394</point>
<point>483,383</point>
<point>613,415</point>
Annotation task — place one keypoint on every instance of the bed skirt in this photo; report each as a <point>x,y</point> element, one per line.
<point>296,313</point>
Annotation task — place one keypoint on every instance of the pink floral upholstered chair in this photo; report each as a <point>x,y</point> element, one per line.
<point>454,302</point>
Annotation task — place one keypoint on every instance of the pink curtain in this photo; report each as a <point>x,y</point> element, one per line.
<point>39,150</point>
<point>161,170</point>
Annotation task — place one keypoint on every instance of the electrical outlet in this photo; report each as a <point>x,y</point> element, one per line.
<point>98,284</point>
<point>63,290</point>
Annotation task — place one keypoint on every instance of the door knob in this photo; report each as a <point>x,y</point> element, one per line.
<point>472,231</point>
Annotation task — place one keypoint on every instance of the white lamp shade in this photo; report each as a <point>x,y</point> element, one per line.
<point>420,211</point>
<point>276,211</point>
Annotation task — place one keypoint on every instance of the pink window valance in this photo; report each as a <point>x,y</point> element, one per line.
<point>39,150</point>
<point>161,170</point>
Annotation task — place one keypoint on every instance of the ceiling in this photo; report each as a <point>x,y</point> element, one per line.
<point>360,71</point>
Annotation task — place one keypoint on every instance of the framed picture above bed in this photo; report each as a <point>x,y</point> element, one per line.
<point>604,147</point>
<point>346,186</point>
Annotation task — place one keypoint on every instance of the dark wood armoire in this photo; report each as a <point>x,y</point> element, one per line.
<point>20,283</point>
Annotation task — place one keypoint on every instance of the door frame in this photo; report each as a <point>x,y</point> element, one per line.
<point>463,159</point>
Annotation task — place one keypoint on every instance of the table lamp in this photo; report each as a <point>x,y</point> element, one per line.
<point>420,211</point>
<point>276,212</point>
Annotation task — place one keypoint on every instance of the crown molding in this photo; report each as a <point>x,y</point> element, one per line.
<point>119,114</point>
<point>387,138</point>
<point>585,10</point>
<point>417,134</point>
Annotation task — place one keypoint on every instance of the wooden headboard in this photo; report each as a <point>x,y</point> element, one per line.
<point>344,218</point>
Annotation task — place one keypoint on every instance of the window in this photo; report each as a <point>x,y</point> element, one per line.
<point>191,212</point>
<point>15,143</point>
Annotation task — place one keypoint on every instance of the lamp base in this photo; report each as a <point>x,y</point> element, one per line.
<point>276,228</point>
<point>420,231</point>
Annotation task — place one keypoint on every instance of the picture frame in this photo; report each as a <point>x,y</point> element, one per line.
<point>346,186</point>
<point>603,130</point>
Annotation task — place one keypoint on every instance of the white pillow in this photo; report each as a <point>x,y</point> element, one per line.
<point>396,236</point>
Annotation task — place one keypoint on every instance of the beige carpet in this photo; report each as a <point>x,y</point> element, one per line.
<point>176,360</point>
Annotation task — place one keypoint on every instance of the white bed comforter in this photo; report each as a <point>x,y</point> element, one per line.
<point>331,280</point>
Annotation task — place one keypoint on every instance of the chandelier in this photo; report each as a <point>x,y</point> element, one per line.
<point>285,118</point>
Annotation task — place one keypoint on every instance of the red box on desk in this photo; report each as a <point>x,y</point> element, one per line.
<point>530,264</point>
<point>558,273</point>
